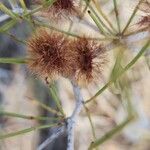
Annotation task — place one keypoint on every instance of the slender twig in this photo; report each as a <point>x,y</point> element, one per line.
<point>15,38</point>
<point>130,64</point>
<point>11,13</point>
<point>58,132</point>
<point>90,120</point>
<point>12,4</point>
<point>145,29</point>
<point>56,99</point>
<point>19,11</point>
<point>117,15</point>
<point>71,121</point>
<point>101,29</point>
<point>30,117</point>
<point>132,16</point>
<point>111,133</point>
<point>98,7</point>
<point>20,132</point>
<point>97,17</point>
<point>13,60</point>
<point>48,108</point>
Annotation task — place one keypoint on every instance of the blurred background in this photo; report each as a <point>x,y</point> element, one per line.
<point>18,86</point>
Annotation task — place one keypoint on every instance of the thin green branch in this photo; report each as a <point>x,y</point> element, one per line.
<point>8,12</point>
<point>13,60</point>
<point>18,17</point>
<point>48,108</point>
<point>7,26</point>
<point>145,29</point>
<point>99,20</point>
<point>86,7</point>
<point>70,33</point>
<point>117,15</point>
<point>23,5</point>
<point>15,38</point>
<point>103,15</point>
<point>55,29</point>
<point>110,134</point>
<point>132,16</point>
<point>29,117</point>
<point>4,136</point>
<point>101,29</point>
<point>99,92</point>
<point>45,4</point>
<point>13,4</point>
<point>26,12</point>
<point>117,68</point>
<point>137,57</point>
<point>134,60</point>
<point>35,22</point>
<point>91,123</point>
<point>147,61</point>
<point>56,99</point>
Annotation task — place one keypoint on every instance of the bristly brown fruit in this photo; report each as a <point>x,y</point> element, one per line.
<point>58,9</point>
<point>49,55</point>
<point>91,58</point>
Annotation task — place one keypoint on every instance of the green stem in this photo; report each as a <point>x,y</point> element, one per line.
<point>110,134</point>
<point>49,3</point>
<point>7,26</point>
<point>91,123</point>
<point>135,59</point>
<point>48,108</point>
<point>117,15</point>
<point>4,9</point>
<point>99,20</point>
<point>56,99</point>
<point>136,32</point>
<point>132,16</point>
<point>4,136</point>
<point>56,29</point>
<point>100,91</point>
<point>13,60</point>
<point>11,114</point>
<point>97,23</point>
<point>15,38</point>
<point>102,31</point>
<point>103,15</point>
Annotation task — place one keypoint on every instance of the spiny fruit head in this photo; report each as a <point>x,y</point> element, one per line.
<point>49,55</point>
<point>91,58</point>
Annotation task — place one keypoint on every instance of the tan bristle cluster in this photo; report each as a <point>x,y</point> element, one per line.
<point>49,55</point>
<point>52,54</point>
<point>91,58</point>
